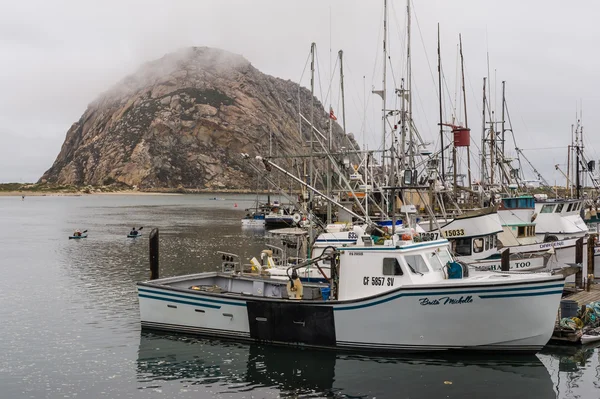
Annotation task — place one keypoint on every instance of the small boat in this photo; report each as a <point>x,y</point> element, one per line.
<point>78,234</point>
<point>591,335</point>
<point>586,339</point>
<point>134,233</point>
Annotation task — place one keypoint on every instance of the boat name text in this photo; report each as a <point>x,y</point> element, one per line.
<point>517,265</point>
<point>446,300</point>
<point>352,253</point>
<point>552,244</point>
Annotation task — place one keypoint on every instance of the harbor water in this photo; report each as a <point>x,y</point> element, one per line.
<point>70,328</point>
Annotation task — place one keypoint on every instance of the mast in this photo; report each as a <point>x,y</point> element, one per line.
<point>312,140</point>
<point>483,155</point>
<point>384,84</point>
<point>440,99</point>
<point>503,106</point>
<point>577,151</point>
<point>341,55</point>
<point>462,69</point>
<point>409,82</point>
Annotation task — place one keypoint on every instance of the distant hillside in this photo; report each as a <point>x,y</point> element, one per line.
<point>182,121</point>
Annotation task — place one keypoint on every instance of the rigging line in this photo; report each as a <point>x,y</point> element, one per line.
<point>415,90</point>
<point>377,49</point>
<point>329,89</point>
<point>456,86</point>
<point>319,74</point>
<point>363,102</point>
<point>512,133</point>
<point>450,103</point>
<point>393,76</point>
<point>542,148</point>
<point>473,103</point>
<point>423,43</point>
<point>401,39</point>
<point>299,97</point>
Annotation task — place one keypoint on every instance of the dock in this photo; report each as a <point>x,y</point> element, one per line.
<point>582,297</point>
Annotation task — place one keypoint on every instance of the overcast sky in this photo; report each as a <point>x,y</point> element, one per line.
<point>58,56</point>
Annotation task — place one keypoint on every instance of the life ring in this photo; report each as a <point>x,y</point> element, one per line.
<point>296,217</point>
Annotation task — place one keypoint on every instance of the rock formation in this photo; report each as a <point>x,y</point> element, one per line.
<point>182,121</point>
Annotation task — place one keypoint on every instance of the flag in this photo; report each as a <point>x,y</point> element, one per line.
<point>331,115</point>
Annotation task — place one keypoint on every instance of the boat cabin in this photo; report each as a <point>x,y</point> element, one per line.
<point>517,215</point>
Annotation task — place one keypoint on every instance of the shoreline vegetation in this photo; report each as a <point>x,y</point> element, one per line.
<point>43,189</point>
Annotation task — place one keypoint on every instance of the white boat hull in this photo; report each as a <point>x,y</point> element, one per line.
<point>487,316</point>
<point>253,222</point>
<point>586,339</point>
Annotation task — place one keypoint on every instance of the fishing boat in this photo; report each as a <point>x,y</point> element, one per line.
<point>559,219</point>
<point>399,295</point>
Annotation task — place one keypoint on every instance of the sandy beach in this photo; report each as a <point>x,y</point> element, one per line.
<point>75,194</point>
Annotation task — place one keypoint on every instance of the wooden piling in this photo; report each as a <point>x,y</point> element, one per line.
<point>579,261</point>
<point>153,247</point>
<point>505,260</point>
<point>591,264</point>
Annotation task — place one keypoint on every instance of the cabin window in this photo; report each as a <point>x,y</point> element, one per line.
<point>463,246</point>
<point>444,256</point>
<point>570,208</point>
<point>486,240</point>
<point>391,267</point>
<point>523,202</point>
<point>548,208</point>
<point>559,208</point>
<point>578,206</point>
<point>416,263</point>
<point>478,245</point>
<point>521,231</point>
<point>434,261</point>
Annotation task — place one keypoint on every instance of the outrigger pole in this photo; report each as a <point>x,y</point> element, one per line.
<point>268,164</point>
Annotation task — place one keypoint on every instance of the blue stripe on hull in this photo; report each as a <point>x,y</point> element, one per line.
<point>171,294</point>
<point>179,301</point>
<point>470,292</point>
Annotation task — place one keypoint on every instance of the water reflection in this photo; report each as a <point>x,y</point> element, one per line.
<point>224,367</point>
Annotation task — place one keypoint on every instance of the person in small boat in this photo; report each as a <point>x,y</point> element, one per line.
<point>77,233</point>
<point>133,232</point>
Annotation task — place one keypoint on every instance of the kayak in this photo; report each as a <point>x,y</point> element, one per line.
<point>75,237</point>
<point>134,235</point>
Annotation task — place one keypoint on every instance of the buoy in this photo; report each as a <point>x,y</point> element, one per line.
<point>235,205</point>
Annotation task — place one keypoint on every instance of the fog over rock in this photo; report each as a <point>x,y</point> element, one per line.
<point>183,121</point>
